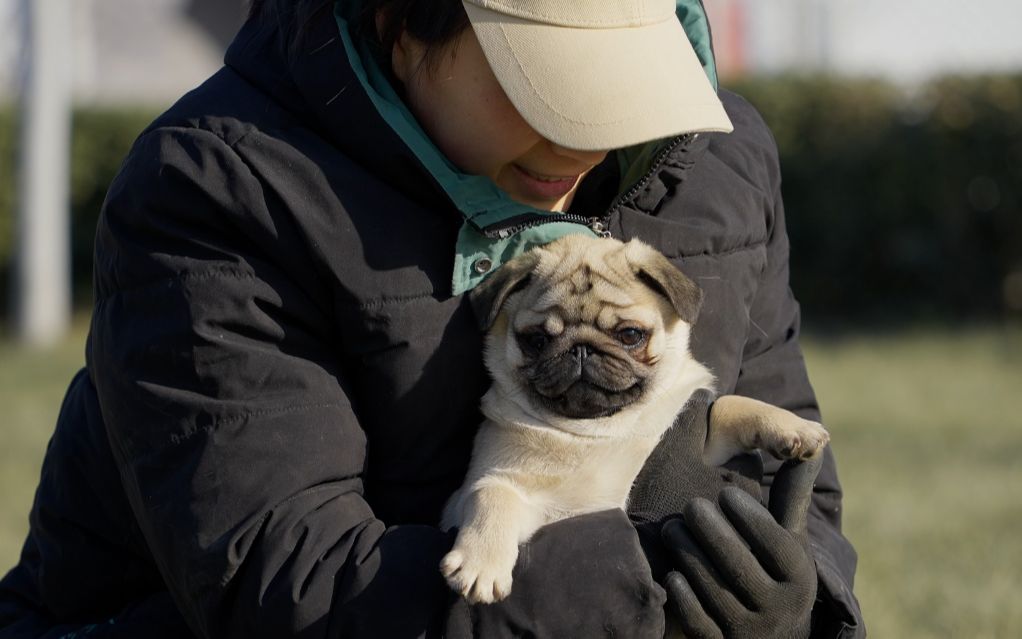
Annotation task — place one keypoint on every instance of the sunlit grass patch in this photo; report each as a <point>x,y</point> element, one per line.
<point>928,431</point>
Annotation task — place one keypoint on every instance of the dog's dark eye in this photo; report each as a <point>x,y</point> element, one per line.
<point>533,342</point>
<point>630,336</point>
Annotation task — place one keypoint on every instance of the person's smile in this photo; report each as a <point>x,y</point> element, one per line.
<point>544,187</point>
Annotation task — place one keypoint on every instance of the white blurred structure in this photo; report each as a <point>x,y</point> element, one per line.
<point>54,52</point>
<point>150,52</point>
<point>42,287</point>
<point>145,52</point>
<point>907,41</point>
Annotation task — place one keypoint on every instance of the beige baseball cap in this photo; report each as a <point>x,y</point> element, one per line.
<point>597,74</point>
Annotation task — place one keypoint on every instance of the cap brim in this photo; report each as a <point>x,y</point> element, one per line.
<point>600,89</point>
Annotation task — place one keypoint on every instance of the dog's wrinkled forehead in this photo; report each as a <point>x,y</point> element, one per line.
<point>578,281</point>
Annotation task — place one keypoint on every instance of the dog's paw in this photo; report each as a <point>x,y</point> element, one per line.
<point>479,577</point>
<point>798,439</point>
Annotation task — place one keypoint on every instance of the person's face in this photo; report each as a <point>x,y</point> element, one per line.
<point>466,113</point>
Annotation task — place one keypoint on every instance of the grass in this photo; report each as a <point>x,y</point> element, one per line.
<point>928,431</point>
<point>927,427</point>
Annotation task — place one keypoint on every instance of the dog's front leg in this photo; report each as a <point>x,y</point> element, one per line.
<point>738,424</point>
<point>496,518</point>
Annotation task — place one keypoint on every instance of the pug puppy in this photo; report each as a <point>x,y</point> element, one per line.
<point>588,347</point>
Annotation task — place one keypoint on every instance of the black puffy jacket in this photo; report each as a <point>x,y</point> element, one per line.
<point>281,389</point>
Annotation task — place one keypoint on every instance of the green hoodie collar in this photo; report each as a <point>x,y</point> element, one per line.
<point>635,161</point>
<point>693,18</point>
<point>481,203</point>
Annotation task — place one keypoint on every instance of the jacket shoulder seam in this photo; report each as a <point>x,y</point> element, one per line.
<point>194,429</point>
<point>717,254</point>
<point>181,128</point>
<point>226,272</point>
<point>380,302</point>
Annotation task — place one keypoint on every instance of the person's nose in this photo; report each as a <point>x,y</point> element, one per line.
<point>590,158</point>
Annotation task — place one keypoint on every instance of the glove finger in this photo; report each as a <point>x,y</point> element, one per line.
<point>779,552</point>
<point>701,574</point>
<point>737,565</point>
<point>689,430</point>
<point>688,613</point>
<point>748,464</point>
<point>792,490</point>
<point>690,426</point>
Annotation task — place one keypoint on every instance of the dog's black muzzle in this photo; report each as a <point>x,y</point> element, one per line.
<point>583,382</point>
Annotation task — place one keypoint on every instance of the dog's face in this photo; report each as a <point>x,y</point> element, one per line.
<point>583,328</point>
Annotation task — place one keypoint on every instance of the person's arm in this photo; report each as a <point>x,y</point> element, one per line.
<point>83,568</point>
<point>732,567</point>
<point>773,370</point>
<point>219,379</point>
<point>218,370</point>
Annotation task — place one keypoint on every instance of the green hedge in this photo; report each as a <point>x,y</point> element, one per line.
<point>898,206</point>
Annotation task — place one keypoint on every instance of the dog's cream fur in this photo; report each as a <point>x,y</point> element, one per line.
<point>531,466</point>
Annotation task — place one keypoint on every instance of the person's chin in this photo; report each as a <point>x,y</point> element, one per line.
<point>544,196</point>
<point>554,206</point>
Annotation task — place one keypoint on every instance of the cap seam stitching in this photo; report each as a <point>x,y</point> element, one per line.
<point>560,21</point>
<point>558,113</point>
<point>549,106</point>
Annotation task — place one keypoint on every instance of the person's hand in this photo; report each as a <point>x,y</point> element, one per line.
<point>743,571</point>
<point>674,475</point>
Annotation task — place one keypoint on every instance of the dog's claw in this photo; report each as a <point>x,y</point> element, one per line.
<point>799,441</point>
<point>477,582</point>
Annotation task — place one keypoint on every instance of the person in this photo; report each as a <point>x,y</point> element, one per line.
<point>283,369</point>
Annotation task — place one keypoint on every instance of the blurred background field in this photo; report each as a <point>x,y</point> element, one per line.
<point>900,132</point>
<point>926,425</point>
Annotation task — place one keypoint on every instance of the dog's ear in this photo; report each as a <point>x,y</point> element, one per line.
<point>488,298</point>
<point>657,272</point>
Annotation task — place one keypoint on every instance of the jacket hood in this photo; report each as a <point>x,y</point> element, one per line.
<point>332,89</point>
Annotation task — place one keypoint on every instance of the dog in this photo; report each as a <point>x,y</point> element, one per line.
<point>587,343</point>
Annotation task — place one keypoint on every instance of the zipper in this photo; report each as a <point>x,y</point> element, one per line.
<point>597,225</point>
<point>658,161</point>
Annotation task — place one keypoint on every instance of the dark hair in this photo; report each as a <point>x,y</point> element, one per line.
<point>435,23</point>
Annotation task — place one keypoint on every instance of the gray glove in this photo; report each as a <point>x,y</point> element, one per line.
<point>743,571</point>
<point>675,474</point>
